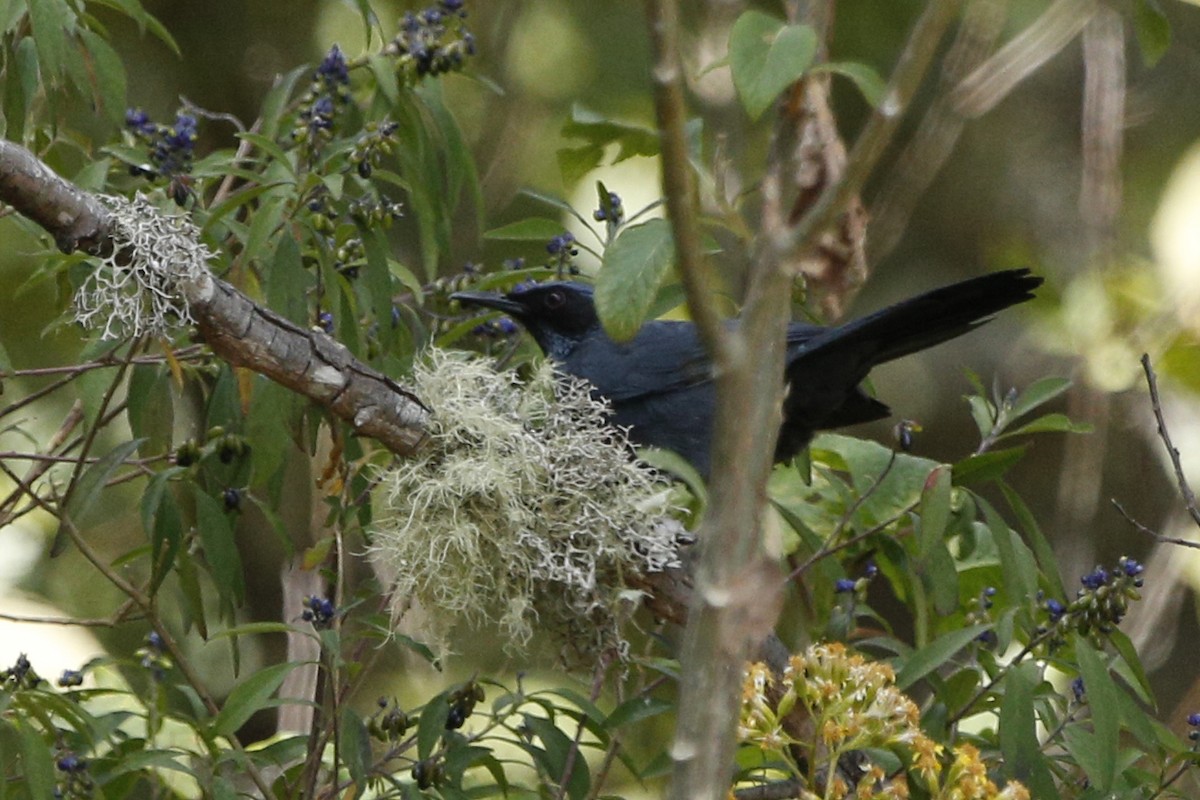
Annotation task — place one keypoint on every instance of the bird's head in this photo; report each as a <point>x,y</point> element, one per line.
<point>557,314</point>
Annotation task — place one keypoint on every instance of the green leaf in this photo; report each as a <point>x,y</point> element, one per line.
<point>1016,560</point>
<point>866,79</point>
<point>265,227</point>
<point>431,725</point>
<point>1050,423</point>
<point>383,68</point>
<point>92,387</point>
<point>576,162</point>
<point>287,283</point>
<point>937,653</point>
<point>1084,750</point>
<point>108,75</point>
<point>766,56</point>
<point>87,491</point>
<point>636,709</point>
<point>1018,723</point>
<point>458,158</point>
<point>192,608</point>
<point>249,696</point>
<point>272,428</point>
<point>162,520</point>
<point>260,628</point>
<point>1104,704</point>
<point>1152,29</point>
<point>355,745</point>
<point>983,413</point>
<point>1130,667</point>
<point>600,131</point>
<point>555,756</point>
<point>379,282</point>
<point>1041,546</point>
<point>934,509</point>
<point>940,573</point>
<point>150,408</point>
<point>1037,394</point>
<point>677,465</point>
<point>984,467</point>
<point>234,201</point>
<point>275,107</point>
<point>220,550</point>
<point>38,763</point>
<point>51,20</point>
<point>533,229</point>
<point>634,265</point>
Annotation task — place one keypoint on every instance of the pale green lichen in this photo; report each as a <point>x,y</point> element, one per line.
<point>135,290</point>
<point>524,510</point>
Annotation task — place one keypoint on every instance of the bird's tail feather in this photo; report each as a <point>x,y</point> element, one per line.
<point>928,319</point>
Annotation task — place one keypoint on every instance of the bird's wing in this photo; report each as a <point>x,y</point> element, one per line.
<point>665,356</point>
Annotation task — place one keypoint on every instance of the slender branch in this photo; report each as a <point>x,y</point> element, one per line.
<point>1185,489</point>
<point>678,185</point>
<point>1158,537</point>
<point>146,603</point>
<point>73,370</point>
<point>89,439</point>
<point>67,621</point>
<point>922,45</point>
<point>237,329</point>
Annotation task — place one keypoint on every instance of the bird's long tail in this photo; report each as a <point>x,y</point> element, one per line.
<point>926,320</point>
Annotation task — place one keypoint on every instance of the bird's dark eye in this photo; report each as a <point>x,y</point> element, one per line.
<point>555,299</point>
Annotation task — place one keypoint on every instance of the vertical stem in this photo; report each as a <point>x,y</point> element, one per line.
<point>731,611</point>
<point>737,587</point>
<point>678,185</point>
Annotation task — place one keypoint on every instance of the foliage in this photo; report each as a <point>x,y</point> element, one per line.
<point>952,658</point>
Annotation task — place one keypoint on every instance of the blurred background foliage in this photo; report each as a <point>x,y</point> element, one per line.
<point>1009,194</point>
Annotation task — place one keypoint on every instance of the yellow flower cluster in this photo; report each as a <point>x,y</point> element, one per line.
<point>831,701</point>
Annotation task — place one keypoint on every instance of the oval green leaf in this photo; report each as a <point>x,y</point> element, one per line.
<point>534,229</point>
<point>766,56</point>
<point>250,696</point>
<point>634,265</point>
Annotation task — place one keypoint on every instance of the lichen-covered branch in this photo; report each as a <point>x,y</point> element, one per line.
<point>237,329</point>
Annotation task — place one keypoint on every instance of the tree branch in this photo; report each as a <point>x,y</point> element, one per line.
<point>237,329</point>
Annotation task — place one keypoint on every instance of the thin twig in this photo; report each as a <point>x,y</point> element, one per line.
<point>1158,537</point>
<point>1185,489</point>
<point>678,186</point>
<point>871,144</point>
<point>184,354</point>
<point>146,603</point>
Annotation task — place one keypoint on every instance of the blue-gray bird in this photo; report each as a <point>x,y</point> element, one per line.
<point>660,383</point>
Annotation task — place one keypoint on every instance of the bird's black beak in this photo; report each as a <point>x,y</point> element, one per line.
<point>490,300</point>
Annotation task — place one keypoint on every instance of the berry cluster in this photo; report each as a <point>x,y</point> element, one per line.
<point>19,676</point>
<point>858,586</point>
<point>70,678</point>
<point>981,614</point>
<point>153,656</point>
<point>389,723</point>
<point>75,782</point>
<point>562,252</point>
<point>433,41</point>
<point>327,93</point>
<point>611,211</point>
<point>373,144</point>
<point>319,611</point>
<point>172,149</point>
<point>462,702</point>
<point>499,328</point>
<point>1100,605</point>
